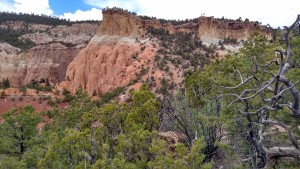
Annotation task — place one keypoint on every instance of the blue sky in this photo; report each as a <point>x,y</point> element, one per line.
<point>275,13</point>
<point>60,7</point>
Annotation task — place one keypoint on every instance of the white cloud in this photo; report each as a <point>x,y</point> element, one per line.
<point>6,5</point>
<point>26,6</point>
<point>93,14</point>
<point>275,13</point>
<point>272,12</point>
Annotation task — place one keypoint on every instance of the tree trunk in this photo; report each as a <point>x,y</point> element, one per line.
<point>93,158</point>
<point>22,146</point>
<point>276,152</point>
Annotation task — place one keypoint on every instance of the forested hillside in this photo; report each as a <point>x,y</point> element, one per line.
<point>37,19</point>
<point>14,25</point>
<point>239,111</point>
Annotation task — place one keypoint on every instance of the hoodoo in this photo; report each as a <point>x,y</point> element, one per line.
<point>109,60</point>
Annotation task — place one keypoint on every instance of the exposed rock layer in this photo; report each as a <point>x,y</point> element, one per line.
<point>56,47</point>
<point>68,35</point>
<point>41,62</point>
<point>107,63</point>
<point>212,30</point>
<point>114,56</point>
<point>120,23</point>
<point>50,62</point>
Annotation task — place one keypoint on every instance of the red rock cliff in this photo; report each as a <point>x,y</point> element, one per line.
<point>119,22</point>
<point>120,50</point>
<point>113,57</point>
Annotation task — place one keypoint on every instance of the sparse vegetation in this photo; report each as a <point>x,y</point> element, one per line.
<point>40,85</point>
<point>11,37</point>
<point>68,97</point>
<point>106,97</point>
<point>5,83</point>
<point>241,111</point>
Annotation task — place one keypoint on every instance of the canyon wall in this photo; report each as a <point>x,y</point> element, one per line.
<point>121,23</point>
<point>211,30</point>
<point>102,57</point>
<point>113,57</point>
<point>56,47</point>
<point>120,50</point>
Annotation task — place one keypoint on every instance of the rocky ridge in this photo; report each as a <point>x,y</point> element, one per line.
<point>113,57</point>
<point>122,52</point>
<point>56,47</point>
<point>119,52</point>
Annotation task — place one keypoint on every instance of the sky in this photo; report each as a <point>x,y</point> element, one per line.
<point>273,12</point>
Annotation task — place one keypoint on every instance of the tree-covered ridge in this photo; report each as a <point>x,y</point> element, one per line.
<point>11,37</point>
<point>38,19</point>
<point>86,136</point>
<point>258,92</point>
<point>14,25</point>
<point>218,129</point>
<point>238,112</point>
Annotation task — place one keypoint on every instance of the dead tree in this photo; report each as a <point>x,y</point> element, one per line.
<point>278,88</point>
<point>177,115</point>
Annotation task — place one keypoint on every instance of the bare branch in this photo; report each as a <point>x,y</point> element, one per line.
<point>239,85</point>
<point>266,65</point>
<point>295,95</point>
<point>289,52</point>
<point>260,90</point>
<point>281,59</point>
<point>274,153</point>
<point>291,137</point>
<point>241,77</point>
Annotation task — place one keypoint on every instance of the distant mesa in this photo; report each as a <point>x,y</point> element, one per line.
<point>117,21</point>
<point>101,56</point>
<point>121,49</point>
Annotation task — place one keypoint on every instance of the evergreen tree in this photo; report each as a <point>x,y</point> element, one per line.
<point>5,83</point>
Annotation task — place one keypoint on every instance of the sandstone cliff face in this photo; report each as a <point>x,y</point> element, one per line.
<point>120,51</point>
<point>41,62</point>
<point>106,64</point>
<point>12,64</point>
<point>113,57</point>
<point>49,62</point>
<point>56,47</point>
<point>21,25</point>
<point>211,30</point>
<point>70,35</point>
<point>117,53</point>
<point>8,49</point>
<point>121,23</point>
<point>154,23</point>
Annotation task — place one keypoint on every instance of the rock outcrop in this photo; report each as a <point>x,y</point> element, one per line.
<point>103,57</point>
<point>41,62</point>
<point>68,35</point>
<point>113,57</point>
<point>211,30</point>
<point>121,23</point>
<point>50,62</point>
<point>106,64</point>
<point>56,47</point>
<point>120,51</point>
<point>12,64</point>
<point>8,49</point>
